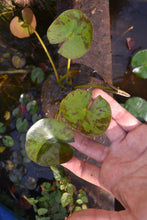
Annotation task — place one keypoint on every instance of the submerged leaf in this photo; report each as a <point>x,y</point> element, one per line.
<point>139,64</point>
<point>47,142</point>
<point>90,119</point>
<point>22,28</point>
<point>74,30</point>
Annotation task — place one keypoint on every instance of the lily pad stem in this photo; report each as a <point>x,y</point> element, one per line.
<point>47,53</point>
<point>108,89</point>
<point>68,68</point>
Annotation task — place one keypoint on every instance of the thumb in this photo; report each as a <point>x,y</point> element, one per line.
<point>95,214</point>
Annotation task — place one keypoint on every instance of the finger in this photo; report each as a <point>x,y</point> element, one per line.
<point>123,118</point>
<point>84,170</point>
<point>95,214</point>
<point>90,148</point>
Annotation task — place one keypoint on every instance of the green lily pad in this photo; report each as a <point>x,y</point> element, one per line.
<point>22,28</point>
<point>90,119</point>
<point>74,30</point>
<point>2,128</point>
<point>8,141</point>
<point>47,142</point>
<point>37,75</point>
<point>139,64</point>
<point>137,107</point>
<point>21,125</point>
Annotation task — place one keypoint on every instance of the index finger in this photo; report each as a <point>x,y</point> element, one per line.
<point>123,118</point>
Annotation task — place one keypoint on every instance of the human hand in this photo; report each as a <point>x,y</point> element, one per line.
<point>124,165</point>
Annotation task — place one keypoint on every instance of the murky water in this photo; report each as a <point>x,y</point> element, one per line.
<point>128,19</point>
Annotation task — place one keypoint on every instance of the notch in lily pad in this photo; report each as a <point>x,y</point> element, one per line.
<point>47,142</point>
<point>23,28</point>
<point>139,64</point>
<point>89,119</point>
<point>74,30</point>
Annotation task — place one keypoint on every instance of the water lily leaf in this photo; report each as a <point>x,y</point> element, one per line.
<point>90,119</point>
<point>32,107</point>
<point>137,107</point>
<point>47,142</point>
<point>37,75</point>
<point>22,28</point>
<point>139,64</point>
<point>2,128</point>
<point>74,30</point>
<point>18,60</point>
<point>21,125</point>
<point>2,149</point>
<point>8,141</point>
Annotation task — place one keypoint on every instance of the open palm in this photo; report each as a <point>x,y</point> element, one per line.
<point>124,165</point>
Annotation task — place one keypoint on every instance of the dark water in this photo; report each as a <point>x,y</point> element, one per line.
<point>126,14</point>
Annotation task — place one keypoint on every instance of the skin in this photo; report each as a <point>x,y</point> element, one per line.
<point>124,165</point>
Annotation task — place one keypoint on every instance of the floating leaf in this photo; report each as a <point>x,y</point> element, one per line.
<point>8,141</point>
<point>2,128</point>
<point>46,142</point>
<point>32,107</point>
<point>137,107</point>
<point>18,60</point>
<point>139,64</point>
<point>37,75</point>
<point>74,30</point>
<point>21,125</point>
<point>16,112</point>
<point>2,149</point>
<point>22,28</point>
<point>90,119</point>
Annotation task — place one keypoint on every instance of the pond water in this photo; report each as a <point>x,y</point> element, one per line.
<point>128,20</point>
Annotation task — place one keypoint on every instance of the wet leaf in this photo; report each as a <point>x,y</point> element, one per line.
<point>21,125</point>
<point>90,119</point>
<point>66,199</point>
<point>74,30</point>
<point>42,211</point>
<point>2,149</point>
<point>46,142</point>
<point>2,128</point>
<point>37,75</point>
<point>137,107</point>
<point>22,28</point>
<point>8,141</point>
<point>32,107</point>
<point>139,64</point>
<point>18,60</point>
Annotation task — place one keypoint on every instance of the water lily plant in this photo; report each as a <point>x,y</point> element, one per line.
<point>48,140</point>
<point>72,29</point>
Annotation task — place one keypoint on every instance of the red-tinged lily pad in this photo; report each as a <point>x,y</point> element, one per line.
<point>74,30</point>
<point>22,28</point>
<point>47,142</point>
<point>139,64</point>
<point>90,119</point>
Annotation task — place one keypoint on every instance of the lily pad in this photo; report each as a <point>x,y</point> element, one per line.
<point>139,64</point>
<point>137,107</point>
<point>74,30</point>
<point>8,141</point>
<point>22,28</point>
<point>90,119</point>
<point>47,142</point>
